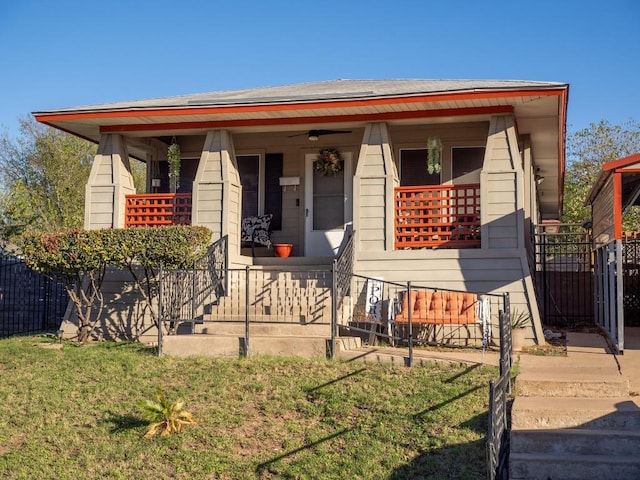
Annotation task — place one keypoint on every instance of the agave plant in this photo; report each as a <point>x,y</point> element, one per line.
<point>166,417</point>
<point>520,319</point>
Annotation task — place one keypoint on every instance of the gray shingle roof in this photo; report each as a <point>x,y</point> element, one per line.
<point>317,91</point>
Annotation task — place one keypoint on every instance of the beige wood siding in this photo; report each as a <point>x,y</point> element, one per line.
<point>124,315</point>
<point>109,182</point>
<point>216,189</point>
<point>373,192</point>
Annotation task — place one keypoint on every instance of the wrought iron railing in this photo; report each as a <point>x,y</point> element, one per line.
<point>437,216</point>
<point>157,209</point>
<point>185,296</point>
<point>407,315</point>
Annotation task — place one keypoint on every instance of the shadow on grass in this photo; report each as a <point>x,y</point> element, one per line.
<point>462,461</point>
<point>336,380</point>
<point>261,467</point>
<point>463,373</point>
<point>124,422</point>
<point>433,408</point>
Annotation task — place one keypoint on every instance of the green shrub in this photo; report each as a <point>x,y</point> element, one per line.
<point>79,259</point>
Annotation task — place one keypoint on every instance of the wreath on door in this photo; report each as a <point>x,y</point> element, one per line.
<point>329,162</point>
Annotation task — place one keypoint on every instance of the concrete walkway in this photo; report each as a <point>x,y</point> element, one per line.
<point>588,359</point>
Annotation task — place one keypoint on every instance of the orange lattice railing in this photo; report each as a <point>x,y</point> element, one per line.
<point>157,209</point>
<point>437,216</point>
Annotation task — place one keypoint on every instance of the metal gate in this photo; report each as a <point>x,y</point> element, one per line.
<point>564,274</point>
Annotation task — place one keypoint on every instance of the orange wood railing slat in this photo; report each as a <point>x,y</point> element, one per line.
<point>157,209</point>
<point>440,215</point>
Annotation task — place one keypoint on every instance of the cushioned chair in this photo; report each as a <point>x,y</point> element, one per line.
<point>256,231</point>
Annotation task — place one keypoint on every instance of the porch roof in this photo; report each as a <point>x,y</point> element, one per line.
<point>539,108</point>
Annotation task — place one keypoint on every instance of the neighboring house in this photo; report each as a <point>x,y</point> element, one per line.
<point>462,224</point>
<point>616,189</point>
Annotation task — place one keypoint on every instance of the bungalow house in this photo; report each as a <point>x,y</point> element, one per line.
<point>440,181</point>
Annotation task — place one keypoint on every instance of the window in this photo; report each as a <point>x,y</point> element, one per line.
<point>261,191</point>
<point>413,168</point>
<point>466,164</point>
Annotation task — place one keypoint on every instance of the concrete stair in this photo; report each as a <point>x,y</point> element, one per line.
<point>573,418</point>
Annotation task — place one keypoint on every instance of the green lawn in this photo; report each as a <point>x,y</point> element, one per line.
<point>72,413</point>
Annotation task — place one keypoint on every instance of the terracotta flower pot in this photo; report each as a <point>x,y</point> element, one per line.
<point>282,249</point>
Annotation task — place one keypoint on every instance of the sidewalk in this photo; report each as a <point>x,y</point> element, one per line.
<point>589,360</point>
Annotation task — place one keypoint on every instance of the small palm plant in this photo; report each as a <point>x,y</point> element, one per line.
<point>165,417</point>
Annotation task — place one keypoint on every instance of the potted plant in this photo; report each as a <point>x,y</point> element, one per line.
<point>173,157</point>
<point>434,155</point>
<point>519,323</point>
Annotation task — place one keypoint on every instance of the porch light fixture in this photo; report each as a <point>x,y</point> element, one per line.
<point>539,179</point>
<point>313,136</point>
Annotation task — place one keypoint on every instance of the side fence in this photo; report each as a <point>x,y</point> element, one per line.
<point>609,291</point>
<point>29,302</point>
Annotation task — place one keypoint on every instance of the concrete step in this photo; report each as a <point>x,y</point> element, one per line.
<point>572,382</point>
<point>231,345</point>
<point>265,329</point>
<point>304,318</point>
<point>288,346</point>
<point>533,466</point>
<point>201,345</point>
<point>576,441</point>
<point>611,413</point>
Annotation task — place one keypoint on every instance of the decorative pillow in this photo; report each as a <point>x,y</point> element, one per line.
<point>257,229</point>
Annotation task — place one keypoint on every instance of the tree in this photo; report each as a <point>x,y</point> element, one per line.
<point>587,150</point>
<point>43,172</point>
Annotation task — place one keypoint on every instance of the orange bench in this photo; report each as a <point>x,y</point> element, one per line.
<point>438,308</point>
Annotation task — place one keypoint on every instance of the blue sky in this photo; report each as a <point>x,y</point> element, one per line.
<point>66,53</point>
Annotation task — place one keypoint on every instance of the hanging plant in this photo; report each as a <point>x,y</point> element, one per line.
<point>173,157</point>
<point>434,155</point>
<point>329,162</point>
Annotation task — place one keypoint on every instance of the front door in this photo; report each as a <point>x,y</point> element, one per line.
<point>328,207</point>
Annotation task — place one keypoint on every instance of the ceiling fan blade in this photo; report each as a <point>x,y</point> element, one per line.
<point>327,132</point>
<point>318,133</point>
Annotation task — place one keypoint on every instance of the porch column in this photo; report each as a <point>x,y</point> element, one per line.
<point>373,191</point>
<point>217,192</point>
<point>503,211</point>
<point>502,187</point>
<point>109,181</point>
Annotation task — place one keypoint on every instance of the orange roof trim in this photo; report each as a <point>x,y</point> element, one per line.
<point>269,107</point>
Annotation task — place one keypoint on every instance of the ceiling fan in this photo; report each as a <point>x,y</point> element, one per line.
<point>313,135</point>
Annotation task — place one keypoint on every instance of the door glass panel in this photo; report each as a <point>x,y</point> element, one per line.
<point>328,201</point>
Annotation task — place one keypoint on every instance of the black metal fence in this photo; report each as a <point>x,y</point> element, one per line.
<point>564,274</point>
<point>498,428</point>
<point>29,302</point>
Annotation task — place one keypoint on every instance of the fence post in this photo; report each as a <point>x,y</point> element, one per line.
<point>193,298</point>
<point>334,308</point>
<point>245,353</point>
<point>409,311</point>
<point>160,310</point>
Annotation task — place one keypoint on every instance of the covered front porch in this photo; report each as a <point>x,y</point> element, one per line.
<point>425,216</point>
